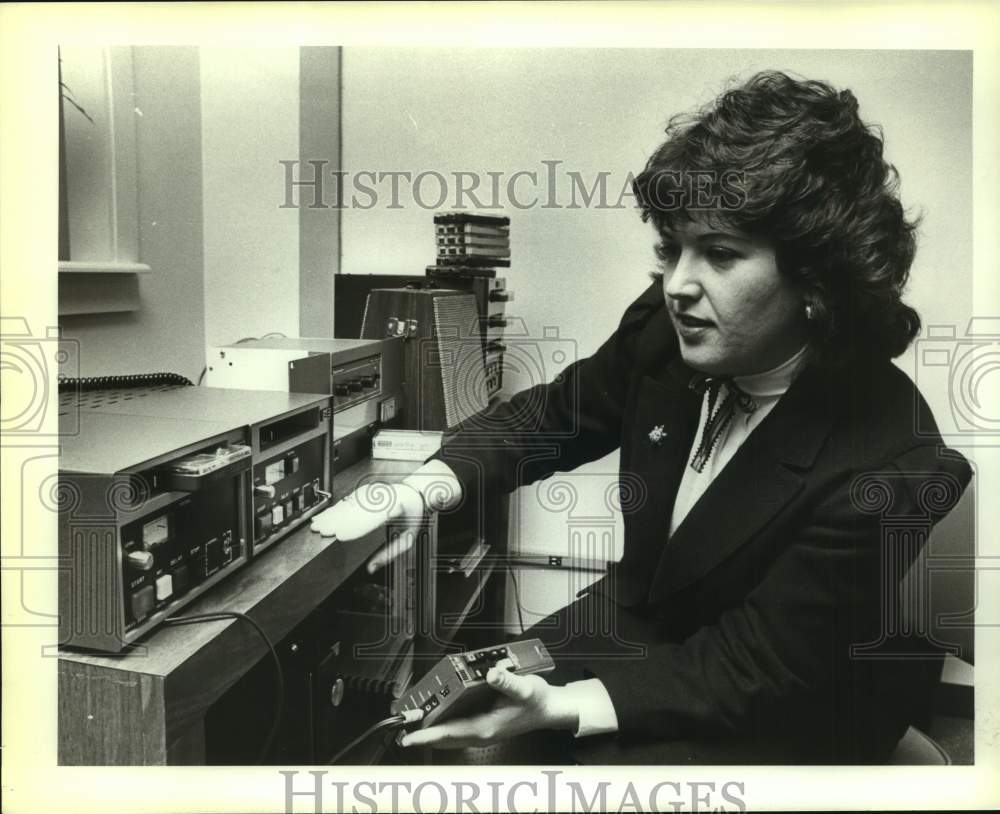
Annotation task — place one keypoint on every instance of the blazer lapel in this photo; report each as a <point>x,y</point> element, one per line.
<point>664,422</point>
<point>756,484</point>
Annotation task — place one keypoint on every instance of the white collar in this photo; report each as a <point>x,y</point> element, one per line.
<point>777,380</point>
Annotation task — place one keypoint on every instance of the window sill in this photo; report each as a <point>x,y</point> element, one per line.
<point>101,267</point>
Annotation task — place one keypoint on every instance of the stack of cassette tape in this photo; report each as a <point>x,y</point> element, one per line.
<point>472,244</point>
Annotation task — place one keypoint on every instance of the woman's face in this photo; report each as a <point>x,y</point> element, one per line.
<point>733,312</point>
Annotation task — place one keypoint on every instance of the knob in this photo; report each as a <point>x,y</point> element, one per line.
<point>501,295</point>
<point>267,491</point>
<point>140,560</point>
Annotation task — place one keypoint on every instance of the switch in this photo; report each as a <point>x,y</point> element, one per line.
<point>354,385</point>
<point>140,560</point>
<point>143,601</point>
<point>277,515</point>
<point>265,491</point>
<point>301,501</point>
<point>295,463</point>
<point>181,579</point>
<point>164,587</point>
<point>289,508</point>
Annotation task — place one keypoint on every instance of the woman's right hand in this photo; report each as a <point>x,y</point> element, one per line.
<point>400,506</point>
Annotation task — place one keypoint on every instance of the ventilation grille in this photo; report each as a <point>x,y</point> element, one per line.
<point>460,349</point>
<point>96,399</point>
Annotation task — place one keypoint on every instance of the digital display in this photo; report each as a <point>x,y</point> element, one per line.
<point>156,531</point>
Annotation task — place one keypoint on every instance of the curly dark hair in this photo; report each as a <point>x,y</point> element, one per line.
<point>791,160</point>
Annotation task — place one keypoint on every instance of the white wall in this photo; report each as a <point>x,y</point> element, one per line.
<point>604,110</point>
<point>250,122</point>
<point>211,126</point>
<point>167,332</point>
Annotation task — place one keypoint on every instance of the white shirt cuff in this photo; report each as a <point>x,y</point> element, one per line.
<point>597,713</point>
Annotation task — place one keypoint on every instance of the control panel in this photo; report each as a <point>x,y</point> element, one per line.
<point>167,553</point>
<point>457,684</point>
<point>357,381</point>
<point>157,512</point>
<point>286,488</point>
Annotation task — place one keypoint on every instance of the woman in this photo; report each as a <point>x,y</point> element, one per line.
<point>751,394</point>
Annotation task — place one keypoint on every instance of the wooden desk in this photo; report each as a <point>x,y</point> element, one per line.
<point>147,706</point>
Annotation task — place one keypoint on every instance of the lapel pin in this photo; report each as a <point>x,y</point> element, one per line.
<point>656,435</point>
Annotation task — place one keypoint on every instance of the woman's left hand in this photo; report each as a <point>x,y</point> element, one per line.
<point>523,704</point>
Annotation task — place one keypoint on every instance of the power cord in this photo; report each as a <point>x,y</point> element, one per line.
<point>408,716</point>
<point>279,705</point>
<point>517,595</point>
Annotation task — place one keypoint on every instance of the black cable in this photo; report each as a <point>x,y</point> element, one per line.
<point>517,595</point>
<point>395,720</point>
<point>279,705</point>
<point>79,384</point>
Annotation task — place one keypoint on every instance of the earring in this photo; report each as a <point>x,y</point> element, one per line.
<point>809,311</point>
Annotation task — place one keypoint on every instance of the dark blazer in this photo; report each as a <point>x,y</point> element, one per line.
<point>792,557</point>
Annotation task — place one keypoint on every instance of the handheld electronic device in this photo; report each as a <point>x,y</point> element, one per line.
<point>457,684</point>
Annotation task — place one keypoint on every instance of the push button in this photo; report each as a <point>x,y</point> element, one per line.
<point>181,579</point>
<point>164,587</point>
<point>277,515</point>
<point>143,601</point>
